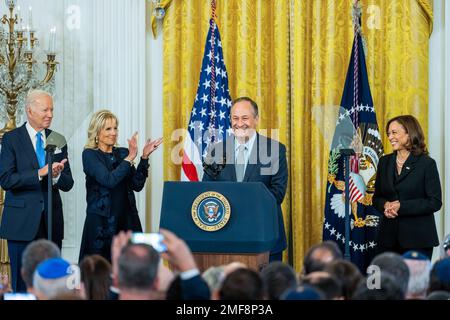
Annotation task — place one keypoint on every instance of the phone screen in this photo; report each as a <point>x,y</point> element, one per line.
<point>152,239</point>
<point>18,296</point>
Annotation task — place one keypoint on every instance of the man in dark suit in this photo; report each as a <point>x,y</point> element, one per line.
<point>23,175</point>
<point>251,157</point>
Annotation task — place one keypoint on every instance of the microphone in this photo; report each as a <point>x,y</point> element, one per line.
<point>55,140</point>
<point>213,163</point>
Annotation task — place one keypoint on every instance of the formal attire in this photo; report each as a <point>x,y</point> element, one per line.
<point>418,189</point>
<point>260,159</point>
<point>24,216</point>
<point>111,204</point>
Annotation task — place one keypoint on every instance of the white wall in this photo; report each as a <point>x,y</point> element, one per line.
<point>439,104</point>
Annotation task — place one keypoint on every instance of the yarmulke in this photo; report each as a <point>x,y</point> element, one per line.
<point>414,255</point>
<point>53,268</point>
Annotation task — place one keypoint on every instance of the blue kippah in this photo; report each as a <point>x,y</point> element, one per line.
<point>53,268</point>
<point>414,255</point>
<point>442,270</point>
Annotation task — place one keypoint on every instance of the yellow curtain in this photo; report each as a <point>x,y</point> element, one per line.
<point>292,57</point>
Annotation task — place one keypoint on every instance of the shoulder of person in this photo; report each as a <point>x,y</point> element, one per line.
<point>386,157</point>
<point>271,141</point>
<point>122,152</point>
<point>426,159</point>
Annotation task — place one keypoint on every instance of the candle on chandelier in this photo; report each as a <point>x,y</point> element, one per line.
<point>30,17</point>
<point>28,39</point>
<point>52,41</point>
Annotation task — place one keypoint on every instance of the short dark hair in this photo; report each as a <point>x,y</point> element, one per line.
<point>329,285</point>
<point>252,102</point>
<point>439,280</point>
<point>416,144</point>
<point>96,277</point>
<point>347,273</point>
<point>138,267</point>
<point>393,264</point>
<point>278,278</point>
<point>242,284</point>
<point>311,263</point>
<point>390,289</point>
<point>36,252</point>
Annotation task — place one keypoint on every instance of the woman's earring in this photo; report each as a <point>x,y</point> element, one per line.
<point>96,140</point>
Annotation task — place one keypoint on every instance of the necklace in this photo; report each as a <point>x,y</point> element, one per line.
<point>401,162</point>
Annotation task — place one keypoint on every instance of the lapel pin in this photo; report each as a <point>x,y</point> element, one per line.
<point>407,168</point>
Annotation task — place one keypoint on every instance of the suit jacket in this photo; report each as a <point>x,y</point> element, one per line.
<point>26,196</point>
<point>419,191</point>
<point>267,164</point>
<point>101,178</point>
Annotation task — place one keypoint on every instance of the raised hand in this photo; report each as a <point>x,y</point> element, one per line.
<point>132,147</point>
<point>150,146</point>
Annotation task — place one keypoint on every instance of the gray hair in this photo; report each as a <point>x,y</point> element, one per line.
<point>33,95</point>
<point>34,254</point>
<point>419,277</point>
<point>138,267</point>
<point>51,288</point>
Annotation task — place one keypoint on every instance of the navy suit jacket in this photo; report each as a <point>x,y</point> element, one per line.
<point>267,164</point>
<point>26,196</point>
<point>419,191</point>
<point>101,178</point>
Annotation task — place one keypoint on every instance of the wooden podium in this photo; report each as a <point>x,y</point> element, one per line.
<point>247,237</point>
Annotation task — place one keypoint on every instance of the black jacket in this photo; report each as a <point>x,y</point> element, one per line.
<point>419,191</point>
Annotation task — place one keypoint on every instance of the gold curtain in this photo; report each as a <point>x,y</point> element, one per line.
<point>292,56</point>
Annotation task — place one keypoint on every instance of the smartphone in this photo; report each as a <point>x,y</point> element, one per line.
<point>152,239</point>
<point>18,296</point>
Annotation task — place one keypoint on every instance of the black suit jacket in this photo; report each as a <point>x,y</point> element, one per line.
<point>26,196</point>
<point>267,164</point>
<point>419,191</point>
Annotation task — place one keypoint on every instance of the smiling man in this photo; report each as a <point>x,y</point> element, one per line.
<point>251,157</point>
<point>23,175</point>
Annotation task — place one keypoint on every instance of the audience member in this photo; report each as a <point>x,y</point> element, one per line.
<point>96,277</point>
<point>347,273</point>
<point>242,284</point>
<point>393,263</point>
<point>320,255</point>
<point>419,274</point>
<point>278,277</point>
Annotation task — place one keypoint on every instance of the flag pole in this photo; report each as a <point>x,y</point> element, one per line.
<point>350,153</point>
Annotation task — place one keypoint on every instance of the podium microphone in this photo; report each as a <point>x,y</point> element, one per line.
<point>53,141</point>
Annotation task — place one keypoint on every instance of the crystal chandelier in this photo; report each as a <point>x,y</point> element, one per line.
<point>19,71</point>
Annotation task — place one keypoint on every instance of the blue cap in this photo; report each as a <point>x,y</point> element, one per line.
<point>442,270</point>
<point>414,255</point>
<point>302,293</point>
<point>54,268</point>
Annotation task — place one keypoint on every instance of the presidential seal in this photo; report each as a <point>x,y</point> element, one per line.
<point>210,211</point>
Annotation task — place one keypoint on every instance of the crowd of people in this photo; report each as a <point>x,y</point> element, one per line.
<point>139,272</point>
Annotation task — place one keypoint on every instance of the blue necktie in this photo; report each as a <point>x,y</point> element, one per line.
<point>40,152</point>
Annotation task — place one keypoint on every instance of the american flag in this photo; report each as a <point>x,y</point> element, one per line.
<point>210,116</point>
<point>356,105</point>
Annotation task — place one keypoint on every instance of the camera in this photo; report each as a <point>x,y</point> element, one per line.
<point>154,240</point>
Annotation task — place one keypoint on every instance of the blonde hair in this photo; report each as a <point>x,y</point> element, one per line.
<point>98,122</point>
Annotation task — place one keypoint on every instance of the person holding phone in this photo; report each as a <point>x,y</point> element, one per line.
<point>111,179</point>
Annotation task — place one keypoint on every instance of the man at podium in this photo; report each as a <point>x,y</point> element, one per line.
<point>247,156</point>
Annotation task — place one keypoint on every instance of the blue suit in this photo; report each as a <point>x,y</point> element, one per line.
<point>24,217</point>
<point>111,204</point>
<point>267,164</point>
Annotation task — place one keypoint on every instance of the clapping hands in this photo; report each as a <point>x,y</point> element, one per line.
<point>150,146</point>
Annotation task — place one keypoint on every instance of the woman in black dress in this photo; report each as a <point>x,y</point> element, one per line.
<point>111,179</point>
<point>407,191</point>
